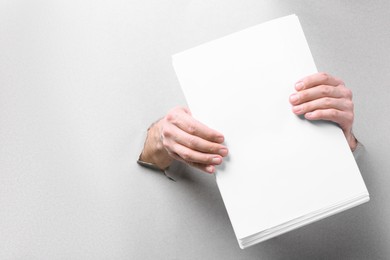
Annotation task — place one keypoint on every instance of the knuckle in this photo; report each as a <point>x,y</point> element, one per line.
<point>340,81</point>
<point>186,155</point>
<point>171,116</point>
<point>191,129</point>
<point>166,133</point>
<point>326,91</point>
<point>192,141</point>
<point>348,93</point>
<point>324,76</point>
<point>334,114</point>
<point>349,105</point>
<point>166,144</point>
<point>328,102</point>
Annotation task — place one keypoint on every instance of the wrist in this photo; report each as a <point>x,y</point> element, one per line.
<point>154,151</point>
<point>351,139</point>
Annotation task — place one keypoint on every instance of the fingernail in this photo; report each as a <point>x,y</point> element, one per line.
<point>299,86</point>
<point>294,98</point>
<point>297,109</point>
<point>216,160</point>
<point>308,115</point>
<point>223,152</point>
<point>210,169</point>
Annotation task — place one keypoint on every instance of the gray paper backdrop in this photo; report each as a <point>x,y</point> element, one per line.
<point>80,82</point>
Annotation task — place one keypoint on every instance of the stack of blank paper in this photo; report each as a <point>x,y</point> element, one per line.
<point>283,171</point>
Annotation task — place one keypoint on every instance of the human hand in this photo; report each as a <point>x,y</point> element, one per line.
<point>323,97</point>
<point>179,136</point>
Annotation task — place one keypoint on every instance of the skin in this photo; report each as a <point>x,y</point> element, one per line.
<point>179,136</point>
<point>323,97</point>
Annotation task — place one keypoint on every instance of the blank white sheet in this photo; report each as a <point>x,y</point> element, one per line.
<point>280,167</point>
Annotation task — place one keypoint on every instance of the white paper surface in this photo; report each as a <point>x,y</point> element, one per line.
<point>280,167</point>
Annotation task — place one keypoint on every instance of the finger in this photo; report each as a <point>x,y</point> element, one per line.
<point>206,168</point>
<point>342,118</point>
<point>171,134</point>
<point>317,92</point>
<point>323,103</point>
<point>193,127</point>
<point>196,143</point>
<point>203,167</point>
<point>186,110</point>
<point>316,79</point>
<point>187,155</point>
